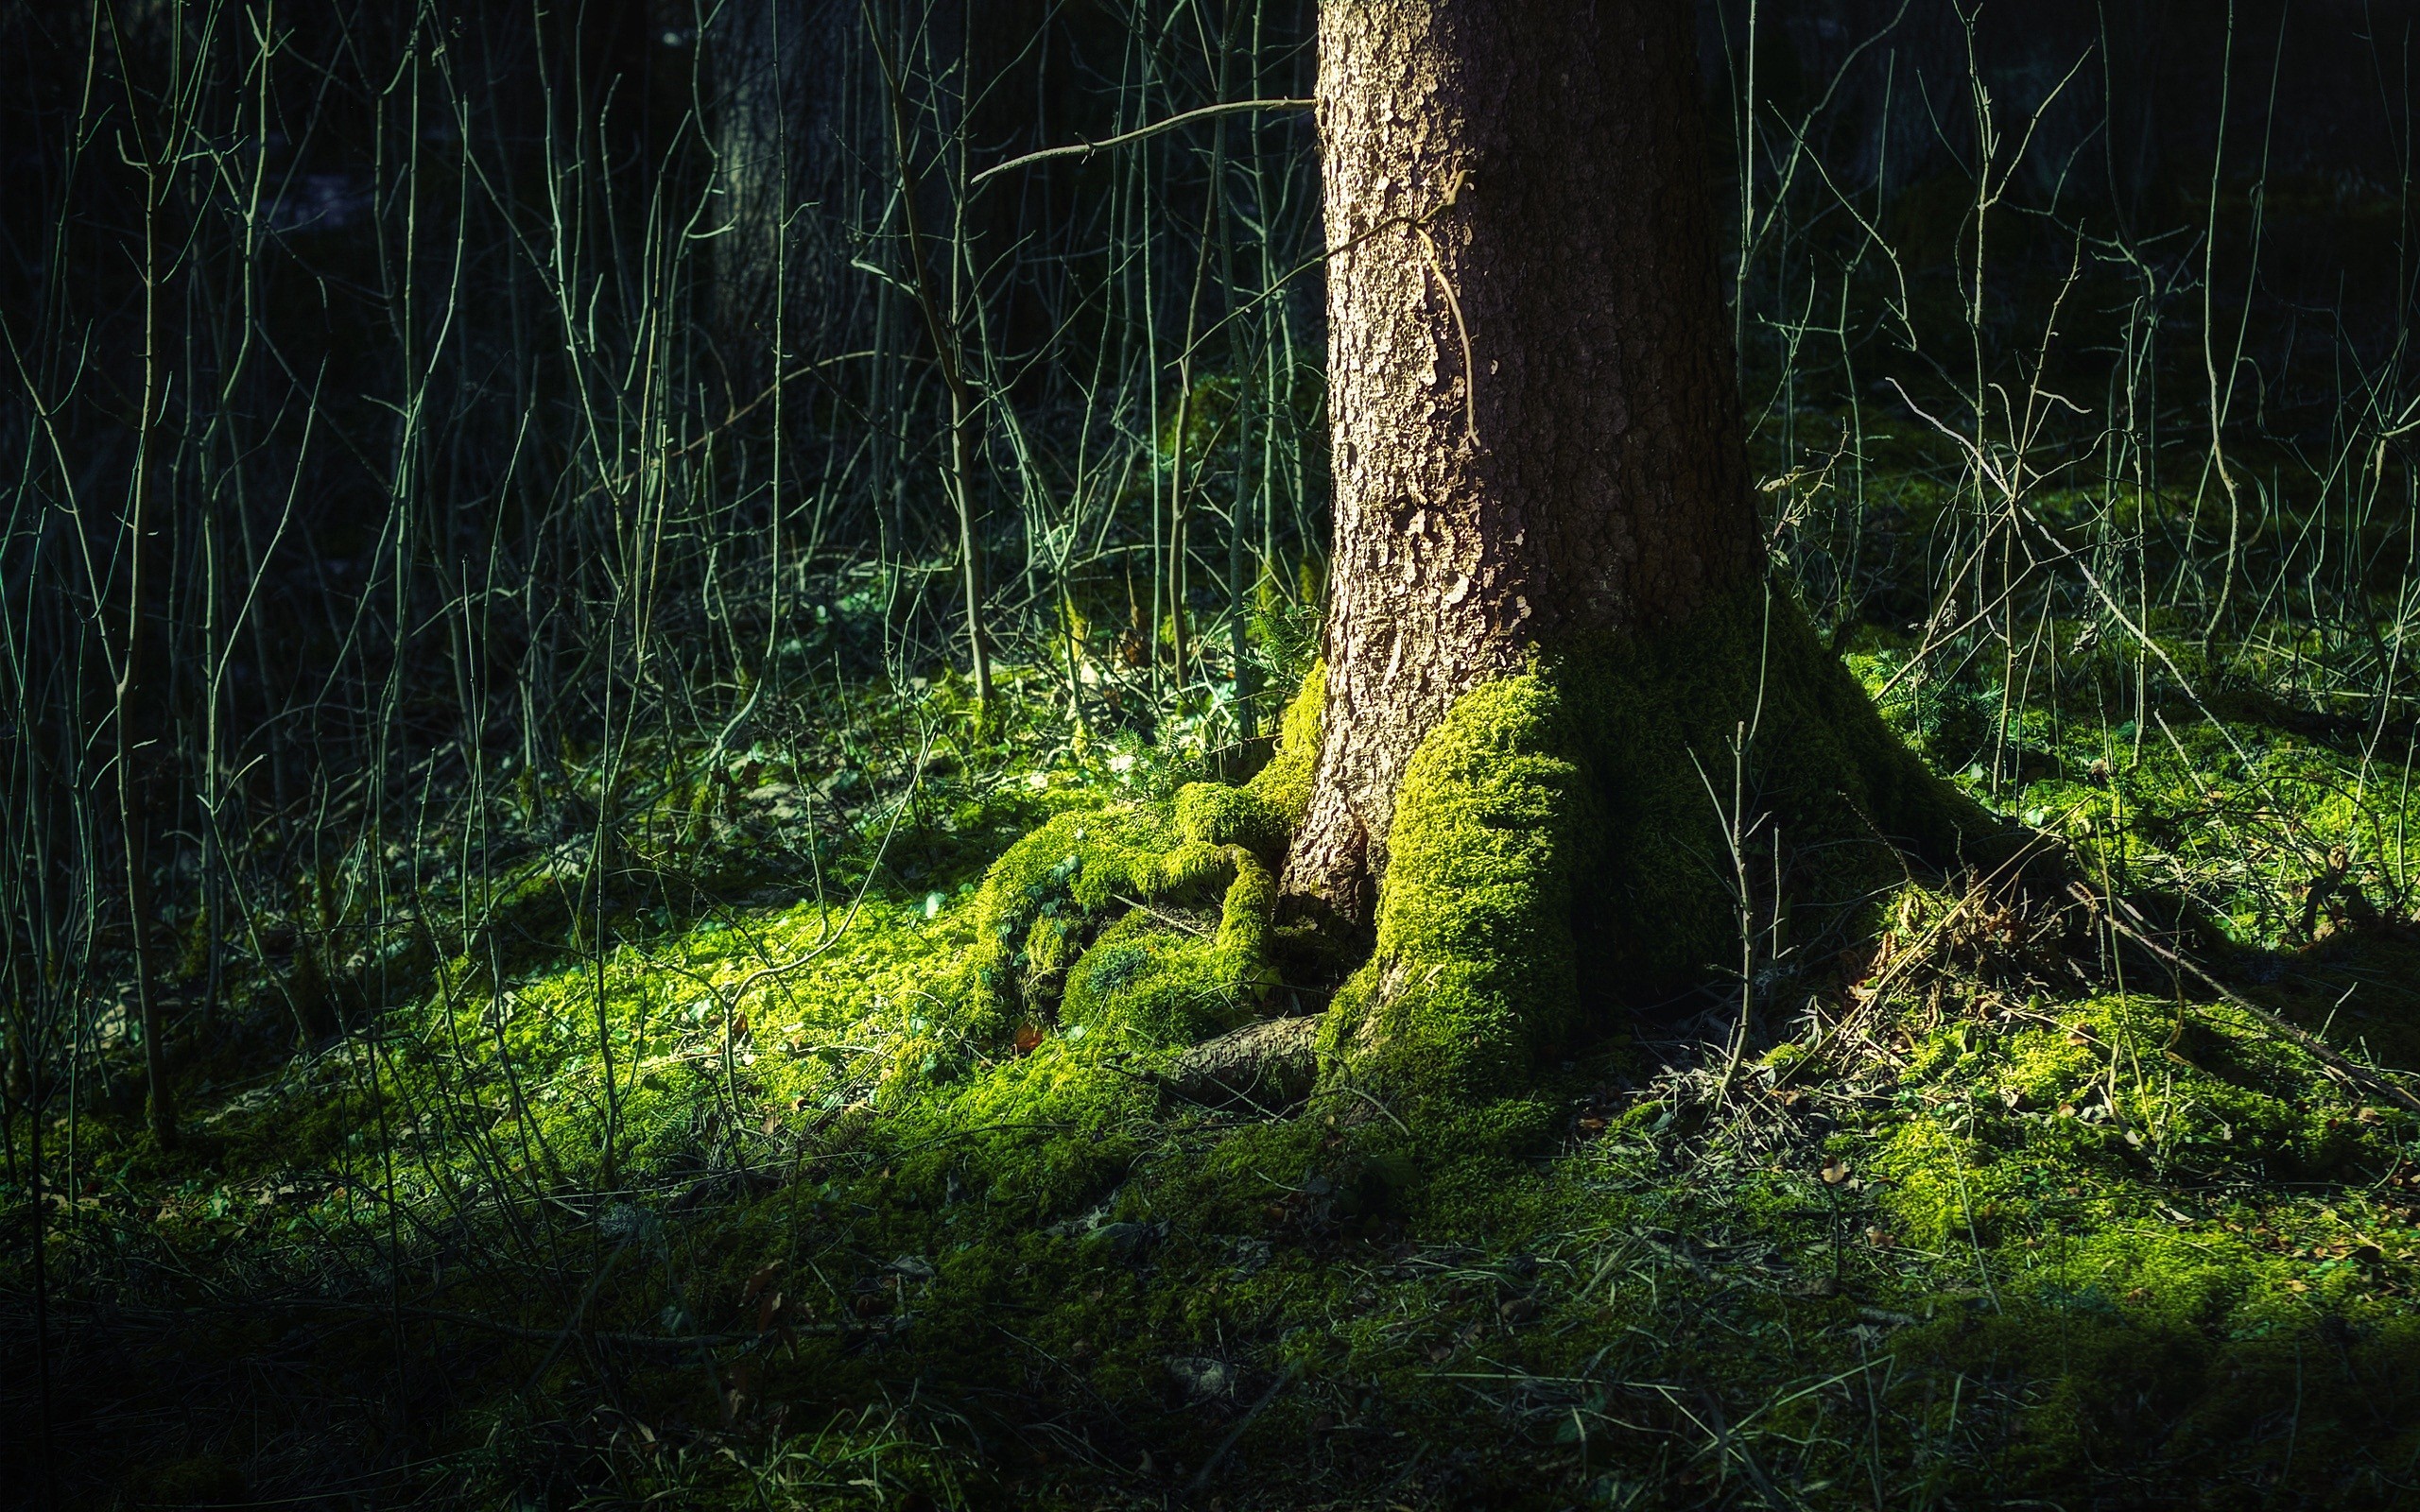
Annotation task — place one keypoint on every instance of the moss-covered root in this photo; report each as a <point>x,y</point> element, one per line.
<point>1827,785</point>
<point>1047,901</point>
<point>1474,968</point>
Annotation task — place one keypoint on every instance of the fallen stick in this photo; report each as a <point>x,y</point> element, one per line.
<point>2317,1048</point>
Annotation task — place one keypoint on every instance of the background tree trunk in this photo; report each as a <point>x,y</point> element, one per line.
<point>1535,422</point>
<point>778,79</point>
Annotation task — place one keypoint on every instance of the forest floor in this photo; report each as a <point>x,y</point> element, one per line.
<point>2006,1206</point>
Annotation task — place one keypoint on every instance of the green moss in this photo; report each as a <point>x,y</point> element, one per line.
<point>2076,1169</point>
<point>1044,898</point>
<point>966,1178</point>
<point>1285,782</point>
<point>1559,843</point>
<point>1214,813</point>
<point>1149,986</point>
<point>1819,777</point>
<point>1474,967</point>
<point>1095,876</point>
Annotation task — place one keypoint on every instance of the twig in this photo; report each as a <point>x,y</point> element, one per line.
<point>1384,1110</point>
<point>2039,842</point>
<point>1086,150</point>
<point>1170,920</point>
<point>2319,1048</point>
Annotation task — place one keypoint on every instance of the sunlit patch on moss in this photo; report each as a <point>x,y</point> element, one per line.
<point>1285,784</point>
<point>1474,966</point>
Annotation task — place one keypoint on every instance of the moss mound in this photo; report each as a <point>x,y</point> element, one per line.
<point>1146,926</point>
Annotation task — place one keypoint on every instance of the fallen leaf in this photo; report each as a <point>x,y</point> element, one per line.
<point>755,1282</point>
<point>1835,1172</point>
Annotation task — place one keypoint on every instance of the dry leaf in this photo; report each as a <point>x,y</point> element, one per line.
<point>755,1282</point>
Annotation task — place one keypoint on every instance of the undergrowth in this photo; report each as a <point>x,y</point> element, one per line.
<point>826,1153</point>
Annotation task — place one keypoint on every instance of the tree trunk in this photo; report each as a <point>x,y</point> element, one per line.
<point>1565,749</point>
<point>778,78</point>
<point>1573,751</point>
<point>1535,425</point>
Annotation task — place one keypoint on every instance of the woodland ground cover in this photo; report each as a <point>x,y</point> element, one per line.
<point>729,1179</point>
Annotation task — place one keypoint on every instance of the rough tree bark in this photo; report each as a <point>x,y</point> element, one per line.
<point>1535,425</point>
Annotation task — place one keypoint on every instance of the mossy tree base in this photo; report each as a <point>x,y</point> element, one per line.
<point>1563,849</point>
<point>2118,1249</point>
<point>1563,846</point>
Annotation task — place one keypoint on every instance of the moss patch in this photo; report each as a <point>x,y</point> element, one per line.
<point>1474,968</point>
